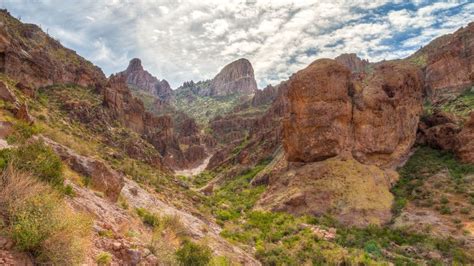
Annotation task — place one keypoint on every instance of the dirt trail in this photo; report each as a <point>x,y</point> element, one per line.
<point>196,170</point>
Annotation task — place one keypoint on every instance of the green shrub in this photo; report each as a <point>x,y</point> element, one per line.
<point>104,258</point>
<point>69,191</point>
<point>373,248</point>
<point>192,254</point>
<point>41,161</point>
<point>148,217</point>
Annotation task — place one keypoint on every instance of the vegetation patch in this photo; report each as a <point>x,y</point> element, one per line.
<point>237,196</point>
<point>40,222</point>
<point>193,254</point>
<point>424,163</point>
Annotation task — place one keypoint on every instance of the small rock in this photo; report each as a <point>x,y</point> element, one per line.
<point>135,256</point>
<point>116,246</point>
<point>134,191</point>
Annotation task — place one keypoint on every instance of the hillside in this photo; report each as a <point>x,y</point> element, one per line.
<point>348,162</point>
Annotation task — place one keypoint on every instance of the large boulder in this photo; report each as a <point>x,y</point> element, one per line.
<point>386,110</point>
<point>318,125</point>
<point>465,148</point>
<point>102,177</point>
<point>343,135</point>
<point>374,119</point>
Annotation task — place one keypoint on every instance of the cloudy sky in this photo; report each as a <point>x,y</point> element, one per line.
<point>181,40</point>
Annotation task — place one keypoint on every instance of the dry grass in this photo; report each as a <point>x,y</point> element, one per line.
<point>39,221</point>
<point>15,187</point>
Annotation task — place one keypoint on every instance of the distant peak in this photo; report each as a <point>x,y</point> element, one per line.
<point>134,65</point>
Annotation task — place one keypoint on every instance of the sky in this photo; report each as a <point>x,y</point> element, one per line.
<point>180,40</point>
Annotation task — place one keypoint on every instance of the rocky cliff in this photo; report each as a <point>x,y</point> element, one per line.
<point>448,63</point>
<point>137,77</point>
<point>32,57</point>
<point>160,131</point>
<point>235,78</point>
<point>345,134</point>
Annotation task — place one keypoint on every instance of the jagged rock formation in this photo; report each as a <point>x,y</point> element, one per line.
<point>30,56</point>
<point>142,79</point>
<point>447,63</point>
<point>265,96</point>
<point>353,62</point>
<point>235,78</point>
<point>361,125</point>
<point>158,130</point>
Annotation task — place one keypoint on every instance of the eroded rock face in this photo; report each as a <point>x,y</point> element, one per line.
<point>342,135</point>
<point>386,113</point>
<point>375,120</point>
<point>142,79</point>
<point>30,56</point>
<point>265,96</point>
<point>103,178</point>
<point>448,63</point>
<point>19,109</point>
<point>235,78</point>
<point>353,62</point>
<point>465,148</point>
<point>318,126</point>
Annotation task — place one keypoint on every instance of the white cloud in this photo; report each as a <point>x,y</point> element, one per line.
<point>184,40</point>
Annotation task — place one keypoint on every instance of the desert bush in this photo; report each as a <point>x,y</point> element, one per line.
<point>40,223</point>
<point>192,254</point>
<point>147,217</point>
<point>41,161</point>
<point>162,248</point>
<point>104,258</point>
<point>22,132</point>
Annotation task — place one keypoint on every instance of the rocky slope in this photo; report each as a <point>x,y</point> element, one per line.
<point>447,63</point>
<point>31,57</point>
<point>139,78</point>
